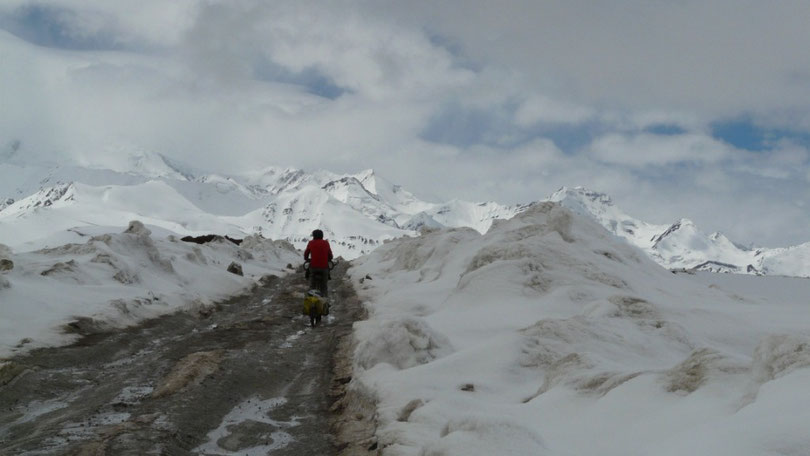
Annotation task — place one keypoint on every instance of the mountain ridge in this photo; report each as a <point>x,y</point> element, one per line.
<point>357,211</point>
<point>682,245</point>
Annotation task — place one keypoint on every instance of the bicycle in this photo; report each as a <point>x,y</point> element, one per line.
<point>316,302</point>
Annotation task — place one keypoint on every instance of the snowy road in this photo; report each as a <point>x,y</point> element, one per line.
<point>249,378</point>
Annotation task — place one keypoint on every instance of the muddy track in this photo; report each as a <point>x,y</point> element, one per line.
<point>247,377</point>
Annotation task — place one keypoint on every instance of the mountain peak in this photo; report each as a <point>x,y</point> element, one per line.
<point>368,179</point>
<point>674,228</point>
<point>582,194</point>
<point>365,174</point>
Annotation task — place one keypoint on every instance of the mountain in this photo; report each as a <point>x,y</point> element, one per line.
<point>43,203</point>
<point>682,245</point>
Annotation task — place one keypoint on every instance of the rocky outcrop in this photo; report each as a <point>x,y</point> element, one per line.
<point>208,238</point>
<point>235,268</point>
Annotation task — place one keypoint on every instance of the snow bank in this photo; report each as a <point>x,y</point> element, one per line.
<point>548,335</point>
<point>114,280</point>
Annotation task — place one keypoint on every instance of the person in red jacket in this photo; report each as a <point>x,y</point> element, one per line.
<point>319,254</point>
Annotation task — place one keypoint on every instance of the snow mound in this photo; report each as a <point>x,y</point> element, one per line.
<point>402,343</point>
<point>778,355</point>
<point>485,435</point>
<point>550,320</point>
<point>110,280</point>
<point>695,370</point>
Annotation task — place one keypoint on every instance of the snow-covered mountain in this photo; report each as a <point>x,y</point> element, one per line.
<point>42,204</point>
<point>683,244</point>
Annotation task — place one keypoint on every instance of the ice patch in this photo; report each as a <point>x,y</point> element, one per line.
<point>225,439</point>
<point>132,395</point>
<point>288,342</point>
<point>35,409</point>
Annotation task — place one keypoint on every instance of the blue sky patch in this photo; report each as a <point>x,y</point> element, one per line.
<point>665,130</point>
<point>51,26</point>
<point>465,127</point>
<point>454,48</point>
<point>462,127</point>
<point>744,134</point>
<point>310,79</point>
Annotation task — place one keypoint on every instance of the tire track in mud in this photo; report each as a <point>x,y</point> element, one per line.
<point>248,377</point>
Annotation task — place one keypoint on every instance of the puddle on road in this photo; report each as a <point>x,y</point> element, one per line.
<point>228,439</point>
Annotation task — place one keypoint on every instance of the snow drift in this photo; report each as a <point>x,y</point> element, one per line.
<point>549,335</point>
<point>114,280</point>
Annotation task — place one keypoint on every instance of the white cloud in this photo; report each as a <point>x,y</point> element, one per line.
<point>375,59</point>
<point>149,22</point>
<point>658,150</point>
<point>234,85</point>
<point>537,109</point>
<point>715,58</point>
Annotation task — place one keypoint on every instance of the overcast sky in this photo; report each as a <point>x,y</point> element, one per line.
<point>688,108</point>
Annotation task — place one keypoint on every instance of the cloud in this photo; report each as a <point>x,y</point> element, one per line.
<point>540,109</point>
<point>374,59</point>
<point>713,57</point>
<point>98,24</point>
<point>508,101</point>
<point>645,149</point>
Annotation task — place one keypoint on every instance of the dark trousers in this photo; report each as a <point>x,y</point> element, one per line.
<point>318,278</point>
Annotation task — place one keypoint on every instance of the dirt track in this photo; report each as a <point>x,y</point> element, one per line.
<point>248,378</point>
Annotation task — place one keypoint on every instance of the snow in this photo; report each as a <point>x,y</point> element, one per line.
<point>120,279</point>
<point>252,410</point>
<point>357,212</point>
<point>550,336</point>
<point>683,245</point>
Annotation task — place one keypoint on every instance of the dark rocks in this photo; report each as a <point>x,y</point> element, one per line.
<point>268,279</point>
<point>6,265</point>
<point>208,238</point>
<point>235,268</point>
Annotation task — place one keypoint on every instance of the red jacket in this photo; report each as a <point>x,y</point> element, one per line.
<point>320,252</point>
